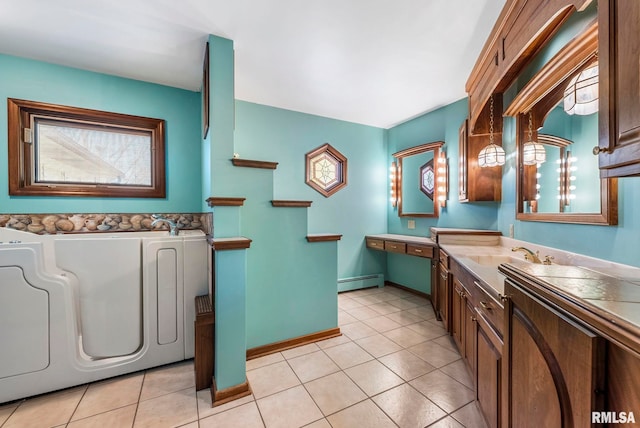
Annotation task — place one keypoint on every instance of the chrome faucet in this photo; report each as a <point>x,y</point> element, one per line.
<point>528,254</point>
<point>159,218</point>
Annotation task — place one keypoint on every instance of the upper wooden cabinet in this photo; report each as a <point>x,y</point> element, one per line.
<point>522,28</point>
<point>619,104</point>
<point>477,184</point>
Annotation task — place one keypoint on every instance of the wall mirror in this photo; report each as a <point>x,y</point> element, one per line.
<point>558,179</point>
<point>417,178</point>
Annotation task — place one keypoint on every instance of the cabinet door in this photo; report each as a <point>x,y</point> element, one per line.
<point>462,161</point>
<point>457,314</point>
<point>470,321</point>
<point>619,104</point>
<point>552,365</point>
<point>444,295</point>
<point>489,372</point>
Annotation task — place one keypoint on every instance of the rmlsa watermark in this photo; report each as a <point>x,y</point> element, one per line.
<point>612,418</point>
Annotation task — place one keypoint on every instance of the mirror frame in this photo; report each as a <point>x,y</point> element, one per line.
<point>399,156</point>
<point>539,96</point>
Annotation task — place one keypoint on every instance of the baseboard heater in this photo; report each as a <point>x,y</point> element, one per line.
<point>358,282</point>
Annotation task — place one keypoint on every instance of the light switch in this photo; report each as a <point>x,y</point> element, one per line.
<point>411,224</point>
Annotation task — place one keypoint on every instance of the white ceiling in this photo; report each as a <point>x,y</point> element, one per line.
<point>375,62</point>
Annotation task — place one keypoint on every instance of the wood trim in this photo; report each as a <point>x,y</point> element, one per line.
<point>410,290</point>
<point>238,243</point>
<point>342,160</point>
<point>572,57</point>
<point>323,237</point>
<point>225,202</point>
<point>418,149</point>
<point>222,396</point>
<point>283,345</point>
<point>254,163</point>
<point>291,204</point>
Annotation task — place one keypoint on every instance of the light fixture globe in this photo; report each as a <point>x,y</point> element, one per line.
<point>533,153</point>
<point>581,94</point>
<point>491,155</point>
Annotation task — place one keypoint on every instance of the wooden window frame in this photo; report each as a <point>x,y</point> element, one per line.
<point>21,177</point>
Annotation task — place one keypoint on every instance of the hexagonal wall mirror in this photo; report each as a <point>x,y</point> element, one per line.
<point>326,170</point>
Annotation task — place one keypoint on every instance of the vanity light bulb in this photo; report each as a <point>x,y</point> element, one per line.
<point>572,187</point>
<point>537,186</point>
<point>538,175</point>
<point>573,168</point>
<point>573,159</point>
<point>559,197</point>
<point>537,196</point>
<point>558,161</point>
<point>559,170</point>
<point>558,188</point>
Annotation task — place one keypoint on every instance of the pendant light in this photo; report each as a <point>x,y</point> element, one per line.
<point>491,155</point>
<point>581,94</point>
<point>533,153</point>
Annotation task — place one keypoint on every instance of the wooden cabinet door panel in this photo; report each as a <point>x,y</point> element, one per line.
<point>553,366</point>
<point>619,62</point>
<point>489,372</point>
<point>444,296</point>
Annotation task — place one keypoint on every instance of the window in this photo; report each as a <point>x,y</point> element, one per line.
<point>326,170</point>
<point>67,151</point>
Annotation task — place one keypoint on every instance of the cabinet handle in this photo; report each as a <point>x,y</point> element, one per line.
<point>495,58</point>
<point>417,250</point>
<point>503,55</point>
<point>443,276</point>
<point>473,319</point>
<point>597,150</point>
<point>486,306</point>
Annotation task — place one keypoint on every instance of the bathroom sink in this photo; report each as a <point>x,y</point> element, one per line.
<point>494,260</point>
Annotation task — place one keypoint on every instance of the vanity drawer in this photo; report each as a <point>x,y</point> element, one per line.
<point>444,258</point>
<point>376,244</point>
<point>492,311</point>
<point>395,247</point>
<point>420,250</point>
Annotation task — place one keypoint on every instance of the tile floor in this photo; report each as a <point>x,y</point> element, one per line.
<point>394,366</point>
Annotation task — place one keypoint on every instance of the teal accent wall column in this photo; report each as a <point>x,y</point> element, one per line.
<point>230,312</point>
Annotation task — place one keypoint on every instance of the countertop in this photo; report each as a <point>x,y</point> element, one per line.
<point>603,294</point>
<point>420,240</point>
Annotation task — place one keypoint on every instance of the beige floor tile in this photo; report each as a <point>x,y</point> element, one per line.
<point>405,337</point>
<point>428,330</point>
<point>422,301</point>
<point>271,379</point>
<point>348,355</point>
<point>443,390</point>
<point>365,414</point>
<point>344,318</point>
<point>369,299</point>
<point>300,350</point>
<point>191,425</point>
<point>378,345</point>
<point>204,403</point>
<point>245,416</point>
<point>167,379</point>
<point>384,308</point>
<point>6,411</point>
<point>406,365</point>
<point>357,330</point>
<point>346,304</point>
<point>46,411</point>
<point>322,423</point>
<point>334,392</point>
<point>367,291</point>
<point>447,422</point>
<point>175,409</point>
<point>312,366</point>
<point>447,342</point>
<point>404,318</point>
<point>470,416</point>
<point>363,313</point>
<point>373,377</point>
<point>287,409</point>
<point>108,395</point>
<point>408,408</point>
<point>424,312</point>
<point>403,304</point>
<point>458,370</point>
<point>385,296</point>
<point>435,354</point>
<point>122,417</point>
<point>264,361</point>
<point>382,323</point>
<point>334,341</point>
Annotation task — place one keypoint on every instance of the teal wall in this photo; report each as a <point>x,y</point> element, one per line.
<point>38,81</point>
<point>284,136</point>
<point>439,125</point>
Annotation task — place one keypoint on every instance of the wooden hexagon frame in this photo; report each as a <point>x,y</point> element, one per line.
<point>326,170</point>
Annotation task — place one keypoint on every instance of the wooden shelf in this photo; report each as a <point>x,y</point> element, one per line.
<point>225,202</point>
<point>323,237</point>
<point>254,163</point>
<point>236,243</point>
<point>291,204</point>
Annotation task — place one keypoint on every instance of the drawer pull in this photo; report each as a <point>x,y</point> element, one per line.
<point>486,306</point>
<point>417,250</point>
<point>443,276</point>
